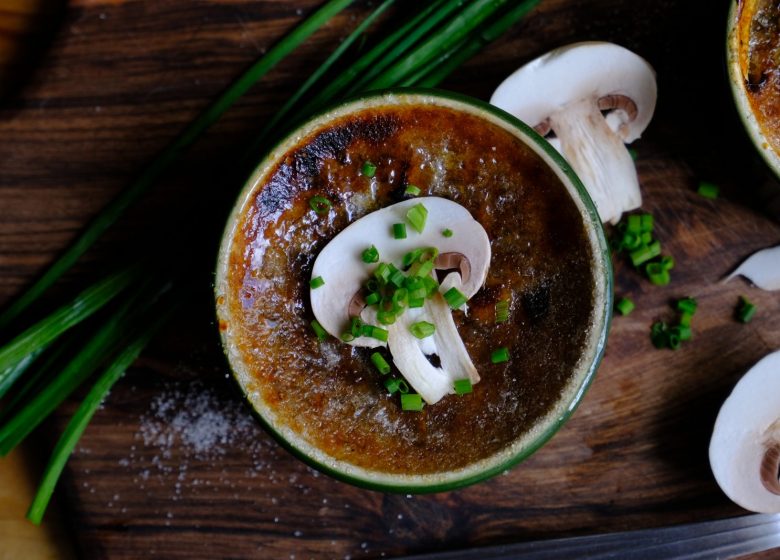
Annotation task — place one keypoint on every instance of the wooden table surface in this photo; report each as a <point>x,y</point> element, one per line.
<point>173,466</point>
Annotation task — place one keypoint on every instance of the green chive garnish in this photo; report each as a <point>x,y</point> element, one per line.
<point>657,274</point>
<point>682,332</point>
<point>624,306</point>
<point>633,153</point>
<point>370,255</point>
<point>500,355</point>
<point>647,222</point>
<point>321,333</point>
<point>644,254</point>
<point>431,285</point>
<point>455,298</point>
<point>356,327</point>
<point>634,224</point>
<point>399,231</point>
<point>412,190</point>
<point>685,319</point>
<point>447,232</point>
<point>315,283</point>
<point>659,334</point>
<point>462,386</point>
<point>397,278</point>
<point>320,204</point>
<point>412,402</point>
<point>708,190</point>
<point>502,311</point>
<point>381,364</point>
<point>382,273</point>
<point>369,169</point>
<point>422,329</point>
<point>377,333</point>
<point>421,270</point>
<point>385,317</point>
<point>347,337</point>
<point>687,305</point>
<point>417,216</point>
<point>373,298</point>
<point>411,257</point>
<point>416,302</point>
<point>745,310</point>
<point>395,385</point>
<point>667,262</point>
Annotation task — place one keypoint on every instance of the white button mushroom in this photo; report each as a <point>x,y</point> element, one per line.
<point>466,252</point>
<point>594,97</point>
<point>762,268</point>
<point>745,445</point>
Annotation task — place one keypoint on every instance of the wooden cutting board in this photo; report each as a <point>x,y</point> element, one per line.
<point>173,466</point>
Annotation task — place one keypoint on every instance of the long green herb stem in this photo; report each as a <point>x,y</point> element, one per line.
<point>85,412</point>
<point>50,328</point>
<point>169,155</point>
<point>108,339</point>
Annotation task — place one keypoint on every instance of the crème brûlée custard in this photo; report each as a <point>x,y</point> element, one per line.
<point>413,291</point>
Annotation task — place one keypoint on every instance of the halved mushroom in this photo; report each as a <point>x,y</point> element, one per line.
<point>466,254</point>
<point>745,445</point>
<point>589,99</point>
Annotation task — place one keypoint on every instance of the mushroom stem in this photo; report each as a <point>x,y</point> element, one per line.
<point>770,467</point>
<point>454,357</point>
<point>430,382</point>
<point>599,157</point>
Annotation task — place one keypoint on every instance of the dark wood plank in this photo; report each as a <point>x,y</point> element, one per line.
<point>122,77</point>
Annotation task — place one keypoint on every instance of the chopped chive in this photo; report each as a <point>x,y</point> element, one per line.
<point>455,298</point>
<point>356,326</point>
<point>659,334</point>
<point>422,329</point>
<point>502,311</point>
<point>315,283</point>
<point>380,363</point>
<point>421,270</point>
<point>431,285</point>
<point>644,254</point>
<point>392,385</point>
<point>399,298</point>
<point>397,278</point>
<point>647,223</point>
<point>347,337</point>
<point>320,204</point>
<point>429,254</point>
<point>687,305</point>
<point>634,224</point>
<point>369,169</point>
<point>685,319</point>
<point>708,190</point>
<point>395,385</point>
<point>416,302</point>
<point>745,310</point>
<point>657,274</point>
<point>646,238</point>
<point>321,333</point>
<point>624,306</point>
<point>462,386</point>
<point>417,216</point>
<point>633,153</point>
<point>631,241</point>
<point>385,317</point>
<point>447,232</point>
<point>412,402</point>
<point>412,190</point>
<point>382,273</point>
<point>683,333</point>
<point>500,355</point>
<point>373,298</point>
<point>411,257</point>
<point>399,231</point>
<point>673,340</point>
<point>378,333</point>
<point>667,262</point>
<point>370,255</point>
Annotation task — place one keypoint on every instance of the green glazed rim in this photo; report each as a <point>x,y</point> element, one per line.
<point>739,94</point>
<point>521,448</point>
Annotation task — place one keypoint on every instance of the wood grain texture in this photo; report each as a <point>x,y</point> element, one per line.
<point>122,77</point>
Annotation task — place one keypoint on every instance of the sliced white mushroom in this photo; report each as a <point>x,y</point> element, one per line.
<point>466,253</point>
<point>594,97</point>
<point>745,445</point>
<point>761,268</point>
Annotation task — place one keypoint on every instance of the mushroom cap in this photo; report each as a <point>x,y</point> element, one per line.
<point>581,70</point>
<point>341,266</point>
<point>747,422</point>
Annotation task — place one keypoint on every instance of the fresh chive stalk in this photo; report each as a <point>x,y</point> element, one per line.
<point>112,212</point>
<point>85,412</point>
